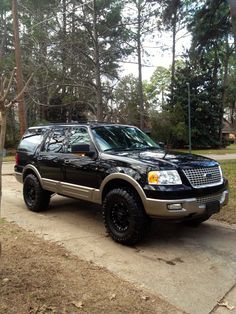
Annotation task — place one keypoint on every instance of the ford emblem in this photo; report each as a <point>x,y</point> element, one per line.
<point>207,175</point>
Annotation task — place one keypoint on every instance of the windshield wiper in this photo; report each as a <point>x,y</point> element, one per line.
<point>132,148</point>
<point>115,149</point>
<point>146,148</point>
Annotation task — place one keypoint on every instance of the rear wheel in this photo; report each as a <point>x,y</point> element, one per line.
<point>36,198</point>
<point>124,217</point>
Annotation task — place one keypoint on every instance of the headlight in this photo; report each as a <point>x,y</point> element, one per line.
<point>164,177</point>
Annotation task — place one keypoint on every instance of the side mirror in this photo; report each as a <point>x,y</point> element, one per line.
<point>80,148</point>
<point>83,149</point>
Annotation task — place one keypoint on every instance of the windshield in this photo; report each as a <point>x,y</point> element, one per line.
<point>122,138</point>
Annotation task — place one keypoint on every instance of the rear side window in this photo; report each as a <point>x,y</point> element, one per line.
<point>29,143</point>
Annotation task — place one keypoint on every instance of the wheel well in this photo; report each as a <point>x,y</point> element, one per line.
<point>119,183</point>
<point>27,172</point>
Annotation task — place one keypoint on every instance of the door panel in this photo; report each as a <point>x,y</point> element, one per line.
<point>51,158</point>
<point>78,168</point>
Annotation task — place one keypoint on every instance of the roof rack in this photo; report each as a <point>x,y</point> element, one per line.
<point>93,122</point>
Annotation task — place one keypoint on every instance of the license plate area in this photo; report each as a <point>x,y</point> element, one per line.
<point>212,207</point>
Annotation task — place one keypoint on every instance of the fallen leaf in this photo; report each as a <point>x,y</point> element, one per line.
<point>5,280</point>
<point>227,305</point>
<point>51,308</point>
<point>79,304</point>
<point>113,297</point>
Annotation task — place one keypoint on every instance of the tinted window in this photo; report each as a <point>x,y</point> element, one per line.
<point>30,142</point>
<point>56,141</point>
<point>78,138</point>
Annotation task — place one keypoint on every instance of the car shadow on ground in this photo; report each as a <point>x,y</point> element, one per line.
<point>160,233</point>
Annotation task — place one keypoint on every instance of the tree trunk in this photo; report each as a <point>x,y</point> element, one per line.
<point>140,79</point>
<point>225,85</point>
<point>97,66</point>
<point>4,36</point>
<point>4,106</point>
<point>63,51</point>
<point>2,144</point>
<point>232,5</point>
<point>43,44</point>
<point>19,77</point>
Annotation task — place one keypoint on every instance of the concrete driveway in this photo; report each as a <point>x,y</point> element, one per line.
<point>191,268</point>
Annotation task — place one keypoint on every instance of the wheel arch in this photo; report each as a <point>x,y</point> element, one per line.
<point>30,169</point>
<point>119,180</point>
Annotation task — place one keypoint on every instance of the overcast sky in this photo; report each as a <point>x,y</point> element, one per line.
<point>158,56</point>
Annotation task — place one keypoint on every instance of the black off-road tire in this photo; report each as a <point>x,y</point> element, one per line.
<point>195,222</point>
<point>124,217</point>
<point>36,198</point>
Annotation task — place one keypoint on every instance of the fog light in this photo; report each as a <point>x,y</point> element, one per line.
<point>176,206</point>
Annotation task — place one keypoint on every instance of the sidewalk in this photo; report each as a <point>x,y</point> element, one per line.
<point>222,157</point>
<point>8,168</point>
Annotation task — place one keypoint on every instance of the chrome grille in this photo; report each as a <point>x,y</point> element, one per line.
<point>203,177</point>
<point>210,198</point>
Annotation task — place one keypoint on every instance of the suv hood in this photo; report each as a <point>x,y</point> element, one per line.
<point>167,158</point>
<point>181,160</point>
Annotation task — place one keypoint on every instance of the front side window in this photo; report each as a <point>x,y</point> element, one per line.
<point>122,138</point>
<point>78,140</point>
<point>56,141</point>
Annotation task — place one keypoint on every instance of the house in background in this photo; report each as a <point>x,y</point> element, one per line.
<point>228,131</point>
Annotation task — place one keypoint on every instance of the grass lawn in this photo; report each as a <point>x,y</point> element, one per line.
<point>228,150</point>
<point>228,213</point>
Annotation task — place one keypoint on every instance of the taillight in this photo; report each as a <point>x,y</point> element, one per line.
<point>17,159</point>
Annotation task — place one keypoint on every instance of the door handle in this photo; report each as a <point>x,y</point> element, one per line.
<point>66,161</point>
<point>39,158</point>
<point>55,159</point>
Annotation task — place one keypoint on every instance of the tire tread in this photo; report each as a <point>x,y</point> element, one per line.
<point>141,220</point>
<point>42,196</point>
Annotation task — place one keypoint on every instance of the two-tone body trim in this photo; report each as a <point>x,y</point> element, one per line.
<point>62,188</point>
<point>156,208</point>
<point>72,190</point>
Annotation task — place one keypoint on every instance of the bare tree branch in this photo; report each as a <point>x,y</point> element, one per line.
<point>21,93</point>
<point>5,93</point>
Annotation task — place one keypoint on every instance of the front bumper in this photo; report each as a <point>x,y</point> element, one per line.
<point>190,207</point>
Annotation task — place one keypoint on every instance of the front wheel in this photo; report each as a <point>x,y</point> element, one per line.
<point>36,198</point>
<point>124,217</point>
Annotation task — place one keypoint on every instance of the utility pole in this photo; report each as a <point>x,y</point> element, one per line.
<point>97,65</point>
<point>189,121</point>
<point>19,76</point>
<point>140,79</point>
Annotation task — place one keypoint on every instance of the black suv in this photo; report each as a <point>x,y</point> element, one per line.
<point>121,168</point>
